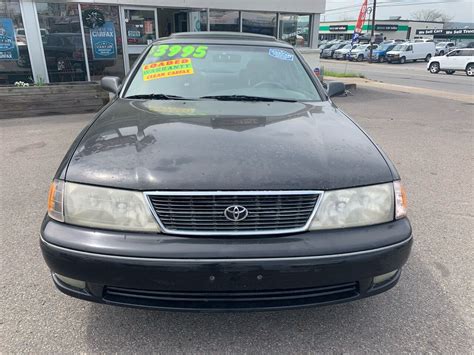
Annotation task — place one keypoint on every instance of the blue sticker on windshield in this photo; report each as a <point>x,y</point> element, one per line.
<point>281,54</point>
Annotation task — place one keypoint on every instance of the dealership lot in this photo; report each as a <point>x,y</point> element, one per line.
<point>410,74</point>
<point>430,141</point>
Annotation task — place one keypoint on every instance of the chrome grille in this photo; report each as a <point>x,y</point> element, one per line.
<point>202,213</point>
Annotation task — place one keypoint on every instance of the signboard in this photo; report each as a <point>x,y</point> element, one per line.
<point>338,28</point>
<point>103,41</point>
<point>386,27</point>
<point>8,46</point>
<point>447,32</point>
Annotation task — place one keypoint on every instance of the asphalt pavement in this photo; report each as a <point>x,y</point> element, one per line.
<point>409,74</point>
<point>430,310</point>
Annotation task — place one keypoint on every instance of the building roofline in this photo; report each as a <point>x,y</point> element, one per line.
<point>347,21</point>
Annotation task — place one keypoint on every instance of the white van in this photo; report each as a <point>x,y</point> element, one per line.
<point>412,51</point>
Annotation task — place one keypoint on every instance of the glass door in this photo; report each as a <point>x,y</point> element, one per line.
<point>139,28</point>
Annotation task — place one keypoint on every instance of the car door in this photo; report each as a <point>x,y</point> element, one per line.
<point>463,58</point>
<point>451,60</point>
<point>409,54</point>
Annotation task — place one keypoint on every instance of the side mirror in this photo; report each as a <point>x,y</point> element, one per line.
<point>111,84</point>
<point>336,88</point>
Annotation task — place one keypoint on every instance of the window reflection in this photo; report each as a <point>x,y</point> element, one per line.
<point>103,40</point>
<point>140,26</point>
<point>260,23</point>
<point>14,57</point>
<point>222,20</point>
<point>181,20</point>
<point>295,29</point>
<point>62,41</point>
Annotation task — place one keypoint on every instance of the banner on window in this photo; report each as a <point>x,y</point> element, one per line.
<point>103,41</point>
<point>8,46</point>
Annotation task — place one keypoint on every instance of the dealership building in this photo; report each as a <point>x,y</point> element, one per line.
<point>389,29</point>
<point>46,41</point>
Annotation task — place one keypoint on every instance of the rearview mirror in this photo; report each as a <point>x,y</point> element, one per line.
<point>336,88</point>
<point>111,84</point>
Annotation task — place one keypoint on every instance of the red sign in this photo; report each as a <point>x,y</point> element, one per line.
<point>361,19</point>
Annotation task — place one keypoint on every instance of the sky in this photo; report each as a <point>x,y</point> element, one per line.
<point>460,10</point>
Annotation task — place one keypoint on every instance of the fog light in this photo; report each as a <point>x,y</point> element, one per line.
<point>385,277</point>
<point>72,282</point>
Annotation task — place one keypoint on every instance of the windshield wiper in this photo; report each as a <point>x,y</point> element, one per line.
<point>157,97</point>
<point>245,98</point>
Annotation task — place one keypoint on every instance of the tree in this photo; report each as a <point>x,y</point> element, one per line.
<point>431,15</point>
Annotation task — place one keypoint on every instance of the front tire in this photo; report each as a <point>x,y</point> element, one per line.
<point>380,59</point>
<point>428,57</point>
<point>434,68</point>
<point>360,58</point>
<point>470,70</point>
<point>441,53</point>
<point>403,60</point>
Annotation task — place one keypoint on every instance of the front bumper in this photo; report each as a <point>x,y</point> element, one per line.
<point>215,274</point>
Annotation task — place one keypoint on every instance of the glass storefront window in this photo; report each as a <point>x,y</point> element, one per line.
<point>222,20</point>
<point>140,26</point>
<point>181,20</point>
<point>103,40</point>
<point>14,57</point>
<point>295,29</point>
<point>260,23</point>
<point>62,41</point>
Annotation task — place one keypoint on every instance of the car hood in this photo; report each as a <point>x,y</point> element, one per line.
<point>216,145</point>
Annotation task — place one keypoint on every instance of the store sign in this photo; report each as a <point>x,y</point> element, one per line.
<point>103,41</point>
<point>447,32</point>
<point>8,46</point>
<point>338,28</point>
<point>386,27</point>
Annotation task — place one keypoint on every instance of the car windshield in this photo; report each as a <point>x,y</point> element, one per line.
<point>441,44</point>
<point>347,46</point>
<point>400,47</point>
<point>215,71</point>
<point>362,47</point>
<point>384,47</point>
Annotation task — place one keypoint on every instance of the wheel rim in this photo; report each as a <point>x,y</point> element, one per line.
<point>470,70</point>
<point>434,68</point>
<point>402,60</point>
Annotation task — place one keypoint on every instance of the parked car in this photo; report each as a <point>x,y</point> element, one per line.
<point>444,47</point>
<point>329,52</point>
<point>223,177</point>
<point>344,51</point>
<point>361,52</point>
<point>459,59</point>
<point>463,45</point>
<point>328,45</point>
<point>411,51</point>
<point>379,54</point>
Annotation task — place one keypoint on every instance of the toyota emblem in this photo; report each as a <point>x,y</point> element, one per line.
<point>236,213</point>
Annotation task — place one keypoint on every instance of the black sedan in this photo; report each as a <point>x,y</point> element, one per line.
<point>222,177</point>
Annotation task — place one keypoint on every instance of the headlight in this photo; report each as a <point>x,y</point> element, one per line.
<point>106,208</point>
<point>355,207</point>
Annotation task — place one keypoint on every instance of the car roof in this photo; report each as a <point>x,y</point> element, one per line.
<point>224,38</point>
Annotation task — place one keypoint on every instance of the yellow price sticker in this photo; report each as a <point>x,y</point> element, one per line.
<point>167,69</point>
